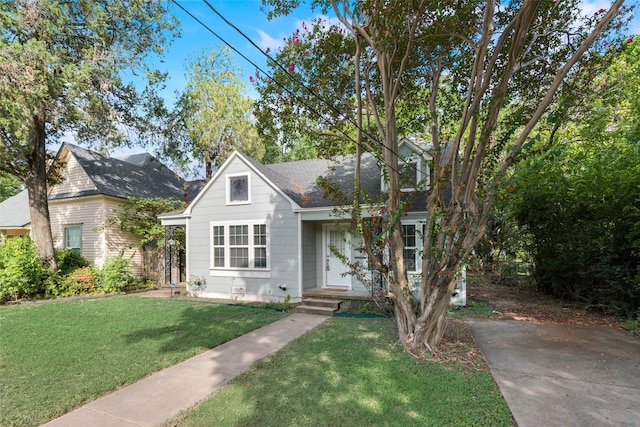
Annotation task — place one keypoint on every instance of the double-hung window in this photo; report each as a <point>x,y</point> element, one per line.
<point>409,176</point>
<point>73,238</point>
<point>410,247</point>
<point>239,246</point>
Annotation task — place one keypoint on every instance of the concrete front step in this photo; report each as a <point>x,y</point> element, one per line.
<point>312,309</point>
<point>322,306</point>
<point>166,292</point>
<point>322,302</point>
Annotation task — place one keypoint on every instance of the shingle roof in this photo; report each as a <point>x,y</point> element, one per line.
<point>299,180</point>
<point>139,175</point>
<point>14,211</point>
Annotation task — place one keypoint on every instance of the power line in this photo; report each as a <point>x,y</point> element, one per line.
<point>259,68</point>
<point>291,76</point>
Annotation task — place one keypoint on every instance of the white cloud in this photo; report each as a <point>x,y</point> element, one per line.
<point>266,42</point>
<point>590,7</point>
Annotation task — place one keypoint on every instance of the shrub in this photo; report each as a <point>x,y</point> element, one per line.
<point>69,260</point>
<point>116,275</point>
<point>21,271</point>
<point>80,281</point>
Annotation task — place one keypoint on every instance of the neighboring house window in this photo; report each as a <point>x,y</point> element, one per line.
<point>238,189</point>
<point>242,245</point>
<point>410,246</point>
<point>73,238</point>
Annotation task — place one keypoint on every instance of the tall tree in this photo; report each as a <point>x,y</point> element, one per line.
<point>61,72</point>
<point>580,201</point>
<point>212,116</point>
<point>9,186</point>
<point>506,62</point>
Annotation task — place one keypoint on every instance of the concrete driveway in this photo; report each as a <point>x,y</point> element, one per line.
<point>563,375</point>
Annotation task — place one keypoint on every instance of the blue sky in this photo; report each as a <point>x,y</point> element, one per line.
<point>244,14</point>
<point>248,16</point>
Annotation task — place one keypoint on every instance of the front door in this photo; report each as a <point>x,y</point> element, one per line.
<point>334,268</point>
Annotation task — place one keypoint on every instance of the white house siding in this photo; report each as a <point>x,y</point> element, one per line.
<point>88,213</point>
<point>75,179</point>
<point>117,241</point>
<point>282,225</point>
<point>91,213</point>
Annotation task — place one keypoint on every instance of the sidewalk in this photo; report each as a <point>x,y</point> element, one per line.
<point>563,375</point>
<point>164,394</point>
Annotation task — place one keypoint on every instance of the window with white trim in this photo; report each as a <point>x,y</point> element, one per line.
<point>73,238</point>
<point>218,246</point>
<point>411,242</point>
<point>238,189</point>
<point>409,176</point>
<point>239,246</point>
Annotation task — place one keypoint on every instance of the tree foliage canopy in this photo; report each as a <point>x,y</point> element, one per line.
<point>580,201</point>
<point>212,116</point>
<point>479,75</point>
<point>64,67</point>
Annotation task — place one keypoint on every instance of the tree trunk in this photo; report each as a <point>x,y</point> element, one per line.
<point>36,182</point>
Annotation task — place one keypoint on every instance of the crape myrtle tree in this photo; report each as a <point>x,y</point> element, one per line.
<point>64,67</point>
<point>506,63</point>
<point>290,129</point>
<point>212,116</point>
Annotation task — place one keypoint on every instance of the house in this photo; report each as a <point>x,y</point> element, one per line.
<point>91,190</point>
<point>262,232</point>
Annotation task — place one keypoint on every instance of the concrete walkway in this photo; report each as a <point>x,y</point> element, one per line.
<point>164,394</point>
<point>563,375</point>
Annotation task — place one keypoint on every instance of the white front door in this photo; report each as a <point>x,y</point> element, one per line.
<point>334,268</point>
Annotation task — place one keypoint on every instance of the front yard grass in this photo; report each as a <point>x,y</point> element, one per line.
<point>352,372</point>
<point>56,356</point>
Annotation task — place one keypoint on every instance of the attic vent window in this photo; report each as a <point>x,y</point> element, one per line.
<point>238,189</point>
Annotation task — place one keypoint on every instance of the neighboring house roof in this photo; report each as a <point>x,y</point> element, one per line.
<point>141,175</point>
<point>14,211</point>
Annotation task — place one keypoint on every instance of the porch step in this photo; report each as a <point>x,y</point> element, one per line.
<point>322,306</point>
<point>312,309</point>
<point>322,302</point>
<point>165,291</point>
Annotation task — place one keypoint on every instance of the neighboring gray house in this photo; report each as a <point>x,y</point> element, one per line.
<point>92,189</point>
<point>261,232</point>
<point>14,216</point>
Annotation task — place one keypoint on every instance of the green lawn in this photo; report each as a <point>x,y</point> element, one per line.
<point>59,355</point>
<point>352,372</point>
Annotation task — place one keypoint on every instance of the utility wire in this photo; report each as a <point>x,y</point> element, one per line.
<point>260,69</point>
<point>279,84</point>
<point>292,76</point>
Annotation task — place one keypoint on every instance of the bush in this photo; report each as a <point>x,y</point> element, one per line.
<point>21,271</point>
<point>116,275</point>
<point>69,260</point>
<point>80,281</point>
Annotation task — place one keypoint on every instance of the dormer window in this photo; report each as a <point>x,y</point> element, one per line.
<point>238,189</point>
<point>409,176</point>
<point>413,167</point>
